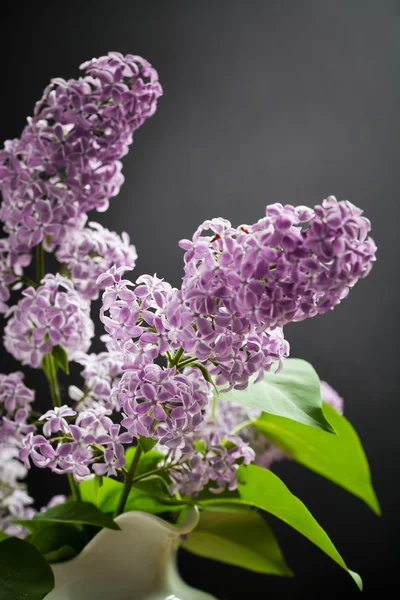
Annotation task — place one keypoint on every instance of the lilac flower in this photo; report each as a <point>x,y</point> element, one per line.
<point>100,374</point>
<point>67,160</point>
<point>81,444</point>
<point>56,420</point>
<point>330,396</point>
<point>161,403</point>
<point>216,464</point>
<point>293,264</point>
<point>90,251</point>
<point>52,314</point>
<point>135,322</point>
<point>14,394</point>
<point>11,268</point>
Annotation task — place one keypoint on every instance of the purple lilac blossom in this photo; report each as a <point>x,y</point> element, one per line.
<point>135,321</point>
<point>151,319</point>
<point>293,264</point>
<point>100,373</point>
<point>82,444</point>
<point>90,251</point>
<point>53,314</point>
<point>330,396</point>
<point>162,404</point>
<point>215,463</point>
<point>15,408</point>
<point>11,268</point>
<point>67,159</point>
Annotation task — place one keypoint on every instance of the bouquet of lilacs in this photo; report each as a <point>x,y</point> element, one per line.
<point>193,396</point>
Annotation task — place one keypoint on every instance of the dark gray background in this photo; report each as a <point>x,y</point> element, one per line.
<point>265,101</point>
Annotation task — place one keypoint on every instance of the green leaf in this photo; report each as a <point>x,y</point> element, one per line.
<point>293,393</point>
<point>79,513</point>
<point>340,458</point>
<point>56,540</point>
<point>147,498</point>
<point>244,540</point>
<point>62,554</point>
<point>24,572</point>
<point>3,536</point>
<point>146,443</point>
<point>263,489</point>
<point>60,358</point>
<point>148,462</point>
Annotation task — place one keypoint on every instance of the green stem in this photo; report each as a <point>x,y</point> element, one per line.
<point>75,493</point>
<point>154,472</point>
<point>49,368</point>
<point>241,426</point>
<point>186,363</point>
<point>40,269</point>
<point>177,356</point>
<point>128,482</point>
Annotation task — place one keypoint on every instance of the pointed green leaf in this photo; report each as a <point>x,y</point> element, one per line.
<point>146,443</point>
<point>24,572</point>
<point>3,536</point>
<point>263,489</point>
<point>80,513</point>
<point>54,539</point>
<point>62,554</point>
<point>293,393</point>
<point>147,498</point>
<point>242,539</point>
<point>60,358</point>
<point>340,458</point>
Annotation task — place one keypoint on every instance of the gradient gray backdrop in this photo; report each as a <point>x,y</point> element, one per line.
<point>265,101</point>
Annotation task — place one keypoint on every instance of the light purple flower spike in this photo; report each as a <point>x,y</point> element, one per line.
<point>53,314</point>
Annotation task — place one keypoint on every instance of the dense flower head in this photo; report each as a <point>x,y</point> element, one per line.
<point>15,408</point>
<point>82,444</point>
<point>104,107</point>
<point>292,264</point>
<point>66,161</point>
<point>150,318</point>
<point>162,404</point>
<point>135,321</point>
<point>212,462</point>
<point>11,268</point>
<point>90,251</point>
<point>52,314</point>
<point>100,374</point>
<point>14,394</point>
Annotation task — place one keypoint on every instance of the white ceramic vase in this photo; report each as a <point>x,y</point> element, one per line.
<point>136,563</point>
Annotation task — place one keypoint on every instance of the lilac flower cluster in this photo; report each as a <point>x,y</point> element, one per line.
<point>67,159</point>
<point>162,404</point>
<point>90,251</point>
<point>15,407</point>
<point>52,314</point>
<point>100,374</point>
<point>292,264</point>
<point>82,444</point>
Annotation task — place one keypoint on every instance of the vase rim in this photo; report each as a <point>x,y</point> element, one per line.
<point>190,520</point>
